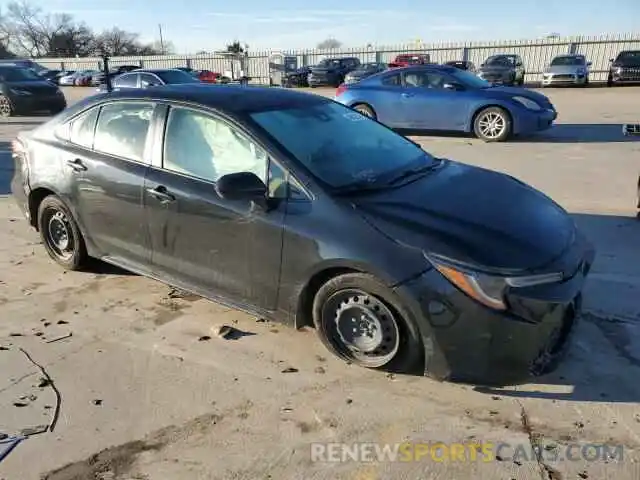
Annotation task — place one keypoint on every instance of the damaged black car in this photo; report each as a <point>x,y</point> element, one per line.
<point>294,207</point>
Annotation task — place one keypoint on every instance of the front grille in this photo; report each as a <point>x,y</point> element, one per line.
<point>563,76</point>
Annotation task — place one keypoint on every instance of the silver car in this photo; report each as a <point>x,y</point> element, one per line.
<point>567,70</point>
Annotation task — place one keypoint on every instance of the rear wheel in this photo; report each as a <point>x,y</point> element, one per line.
<point>365,110</point>
<point>6,109</point>
<point>492,124</point>
<point>361,321</point>
<point>60,234</point>
<point>609,81</point>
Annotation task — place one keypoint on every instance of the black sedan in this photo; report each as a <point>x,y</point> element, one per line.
<point>22,91</point>
<point>146,78</point>
<point>363,71</point>
<point>294,207</point>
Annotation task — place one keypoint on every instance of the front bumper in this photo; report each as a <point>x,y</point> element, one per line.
<point>563,79</point>
<point>24,104</point>
<point>529,121</point>
<point>493,79</point>
<point>628,75</point>
<point>467,342</point>
<point>322,81</point>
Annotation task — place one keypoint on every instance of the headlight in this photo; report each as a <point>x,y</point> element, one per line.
<point>527,103</point>
<point>19,91</point>
<point>488,289</point>
<point>581,71</point>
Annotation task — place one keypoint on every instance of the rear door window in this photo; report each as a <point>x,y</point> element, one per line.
<point>129,80</point>
<point>83,127</point>
<point>123,128</point>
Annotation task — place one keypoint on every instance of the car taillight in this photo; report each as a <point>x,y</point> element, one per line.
<point>341,89</point>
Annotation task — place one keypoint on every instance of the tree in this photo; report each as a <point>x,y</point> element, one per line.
<point>236,47</point>
<point>329,44</point>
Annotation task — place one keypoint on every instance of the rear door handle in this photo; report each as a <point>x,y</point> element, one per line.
<point>161,193</point>
<point>77,165</point>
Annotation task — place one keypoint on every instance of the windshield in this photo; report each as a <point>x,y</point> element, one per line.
<point>341,147</point>
<point>561,61</point>
<point>501,61</point>
<point>469,79</point>
<point>629,58</point>
<point>13,74</point>
<point>171,77</point>
<point>329,62</point>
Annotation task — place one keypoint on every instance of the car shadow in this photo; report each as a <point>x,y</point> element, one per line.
<point>602,363</point>
<point>6,168</point>
<point>579,133</point>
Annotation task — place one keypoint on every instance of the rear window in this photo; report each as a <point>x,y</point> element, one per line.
<point>15,74</point>
<point>171,77</point>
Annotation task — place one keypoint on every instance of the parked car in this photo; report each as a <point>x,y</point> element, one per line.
<point>51,75</point>
<point>625,68</point>
<point>22,91</point>
<point>70,79</point>
<point>365,70</point>
<point>567,70</point>
<point>84,79</point>
<point>99,77</point>
<point>207,76</point>
<point>438,97</point>
<point>420,278</point>
<point>146,78</point>
<point>462,65</point>
<point>23,63</point>
<point>297,77</point>
<point>331,71</point>
<point>408,59</point>
<point>504,69</point>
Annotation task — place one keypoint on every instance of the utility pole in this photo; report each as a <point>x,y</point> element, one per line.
<point>161,39</point>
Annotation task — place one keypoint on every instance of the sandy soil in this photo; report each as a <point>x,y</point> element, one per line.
<point>148,391</point>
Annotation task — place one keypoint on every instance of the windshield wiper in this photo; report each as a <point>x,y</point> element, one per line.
<point>359,187</point>
<point>413,172</point>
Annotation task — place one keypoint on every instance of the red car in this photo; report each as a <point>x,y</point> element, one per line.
<point>208,76</point>
<point>406,59</point>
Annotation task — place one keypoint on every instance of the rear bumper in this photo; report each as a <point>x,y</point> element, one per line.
<point>467,342</point>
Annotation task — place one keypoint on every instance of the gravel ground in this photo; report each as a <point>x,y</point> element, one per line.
<point>148,391</point>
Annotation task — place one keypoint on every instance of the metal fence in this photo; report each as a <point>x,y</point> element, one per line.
<point>536,54</point>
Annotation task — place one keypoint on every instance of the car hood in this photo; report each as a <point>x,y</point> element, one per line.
<point>510,92</point>
<point>362,73</point>
<point>34,86</point>
<point>626,64</point>
<point>320,70</point>
<point>564,69</point>
<point>473,215</point>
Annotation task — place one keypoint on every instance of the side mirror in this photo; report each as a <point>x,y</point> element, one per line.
<point>482,64</point>
<point>589,64</point>
<point>611,60</point>
<point>242,186</point>
<point>453,86</point>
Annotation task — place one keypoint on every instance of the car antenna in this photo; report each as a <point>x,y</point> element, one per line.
<point>105,68</point>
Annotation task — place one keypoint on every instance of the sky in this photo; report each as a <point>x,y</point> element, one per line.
<point>195,25</point>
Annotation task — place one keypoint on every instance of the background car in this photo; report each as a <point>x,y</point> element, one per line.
<point>503,69</point>
<point>51,75</point>
<point>407,59</point>
<point>69,79</point>
<point>147,78</point>
<point>99,77</point>
<point>567,70</point>
<point>207,76</point>
<point>625,68</point>
<point>462,65</point>
<point>83,79</point>
<point>23,91</point>
<point>437,97</point>
<point>297,77</point>
<point>331,71</point>
<point>448,269</point>
<point>364,70</point>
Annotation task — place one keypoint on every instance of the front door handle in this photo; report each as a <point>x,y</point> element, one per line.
<point>407,95</point>
<point>161,193</point>
<point>77,165</point>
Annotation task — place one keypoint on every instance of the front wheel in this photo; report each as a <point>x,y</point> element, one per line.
<point>6,109</point>
<point>609,81</point>
<point>492,124</point>
<point>365,110</point>
<point>361,321</point>
<point>60,234</point>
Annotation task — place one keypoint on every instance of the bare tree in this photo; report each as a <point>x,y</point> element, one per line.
<point>236,47</point>
<point>329,44</point>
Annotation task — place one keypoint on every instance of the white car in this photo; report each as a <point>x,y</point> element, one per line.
<point>70,80</point>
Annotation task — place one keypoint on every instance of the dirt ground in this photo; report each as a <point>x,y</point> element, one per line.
<point>148,391</point>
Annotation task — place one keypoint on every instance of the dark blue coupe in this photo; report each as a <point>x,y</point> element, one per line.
<point>445,98</point>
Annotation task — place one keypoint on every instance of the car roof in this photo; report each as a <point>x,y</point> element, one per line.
<point>430,66</point>
<point>232,99</point>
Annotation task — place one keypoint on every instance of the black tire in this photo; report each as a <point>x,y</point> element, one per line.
<point>521,81</point>
<point>398,346</point>
<point>55,221</point>
<point>6,108</point>
<point>490,114</point>
<point>586,81</point>
<point>365,110</point>
<point>609,81</point>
